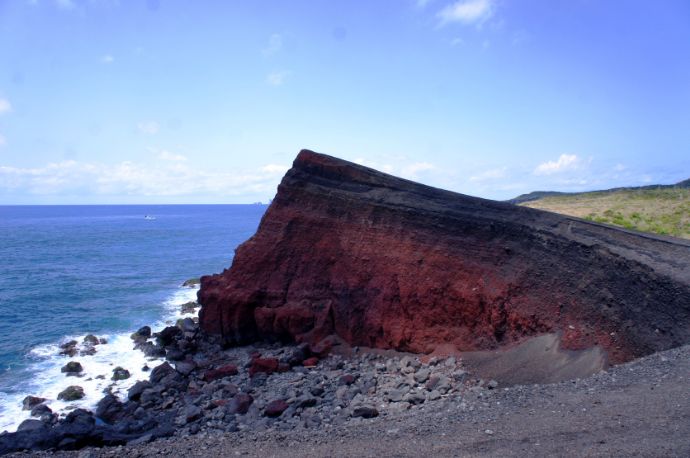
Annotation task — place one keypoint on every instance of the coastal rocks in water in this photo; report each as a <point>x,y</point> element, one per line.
<point>30,402</point>
<point>388,263</point>
<point>167,335</point>
<point>91,340</point>
<point>72,368</point>
<point>40,410</point>
<point>151,350</point>
<point>141,335</point>
<point>120,373</point>
<point>189,307</point>
<point>191,283</point>
<point>68,348</point>
<point>71,393</point>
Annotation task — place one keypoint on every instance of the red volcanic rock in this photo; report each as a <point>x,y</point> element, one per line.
<point>310,362</point>
<point>267,365</point>
<point>240,404</point>
<point>224,371</point>
<point>275,408</point>
<point>378,261</point>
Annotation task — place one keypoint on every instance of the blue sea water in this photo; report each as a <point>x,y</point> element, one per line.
<point>66,271</point>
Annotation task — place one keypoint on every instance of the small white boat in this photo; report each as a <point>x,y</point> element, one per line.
<point>149,217</point>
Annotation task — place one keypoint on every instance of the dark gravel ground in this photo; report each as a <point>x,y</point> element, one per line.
<point>637,409</point>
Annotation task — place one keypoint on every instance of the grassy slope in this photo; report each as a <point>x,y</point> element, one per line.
<point>663,211</point>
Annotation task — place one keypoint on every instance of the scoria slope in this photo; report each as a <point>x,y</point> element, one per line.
<point>384,262</point>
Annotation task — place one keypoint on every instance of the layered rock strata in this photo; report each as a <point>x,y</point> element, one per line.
<point>384,262</point>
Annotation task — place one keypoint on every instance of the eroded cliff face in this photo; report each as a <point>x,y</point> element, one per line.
<point>385,262</point>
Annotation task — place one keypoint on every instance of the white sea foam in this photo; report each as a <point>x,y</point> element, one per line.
<point>49,381</point>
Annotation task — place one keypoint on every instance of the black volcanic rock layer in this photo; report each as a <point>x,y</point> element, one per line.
<point>384,262</point>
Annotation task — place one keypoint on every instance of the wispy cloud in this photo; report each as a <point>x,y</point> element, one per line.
<point>3,141</point>
<point>564,163</point>
<point>274,169</point>
<point>422,3</point>
<point>65,4</point>
<point>410,171</point>
<point>148,127</point>
<point>275,44</point>
<point>277,78</point>
<point>166,155</point>
<point>5,106</point>
<point>136,179</point>
<point>488,175</point>
<point>107,59</point>
<point>467,12</point>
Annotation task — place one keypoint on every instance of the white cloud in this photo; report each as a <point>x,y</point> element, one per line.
<point>493,174</point>
<point>107,59</point>
<point>65,4</point>
<point>422,3</point>
<point>467,12</point>
<point>5,106</point>
<point>619,167</point>
<point>277,78</point>
<point>3,141</point>
<point>564,163</point>
<point>275,44</point>
<point>169,156</point>
<point>137,179</point>
<point>148,127</point>
<point>411,171</point>
<point>275,169</point>
<point>457,42</point>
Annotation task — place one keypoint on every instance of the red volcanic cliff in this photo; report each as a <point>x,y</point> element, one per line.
<point>386,262</point>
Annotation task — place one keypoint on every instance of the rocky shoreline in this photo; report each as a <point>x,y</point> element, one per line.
<point>203,388</point>
<point>635,409</point>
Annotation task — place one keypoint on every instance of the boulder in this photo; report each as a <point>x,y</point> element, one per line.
<point>220,372</point>
<point>71,393</point>
<point>239,404</point>
<point>310,362</point>
<point>120,374</point>
<point>275,408</point>
<point>30,402</point>
<point>192,282</point>
<point>109,409</point>
<point>264,365</point>
<point>189,307</point>
<point>185,367</point>
<point>40,410</point>
<point>68,348</point>
<point>161,371</point>
<point>168,335</point>
<point>91,340</point>
<point>365,412</point>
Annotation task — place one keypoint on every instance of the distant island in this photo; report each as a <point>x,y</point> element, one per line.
<point>659,209</point>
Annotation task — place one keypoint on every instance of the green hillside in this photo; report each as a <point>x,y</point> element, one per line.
<point>661,210</point>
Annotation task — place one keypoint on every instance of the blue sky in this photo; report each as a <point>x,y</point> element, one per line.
<point>106,101</point>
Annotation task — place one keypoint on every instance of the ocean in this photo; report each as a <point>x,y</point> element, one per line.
<point>68,271</point>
